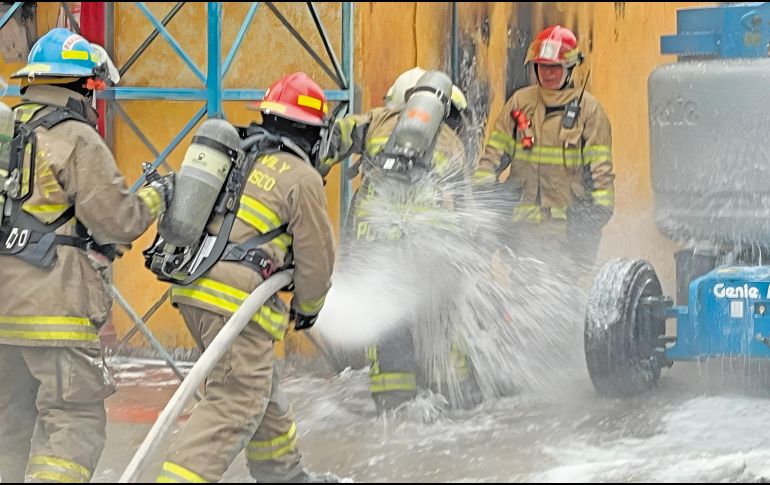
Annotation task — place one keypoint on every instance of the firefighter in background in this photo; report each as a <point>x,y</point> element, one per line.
<point>394,376</point>
<point>243,405</point>
<point>557,141</point>
<point>55,225</point>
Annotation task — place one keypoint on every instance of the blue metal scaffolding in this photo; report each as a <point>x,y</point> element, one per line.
<point>213,91</point>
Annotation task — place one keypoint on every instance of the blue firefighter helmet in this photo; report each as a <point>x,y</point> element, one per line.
<point>60,53</point>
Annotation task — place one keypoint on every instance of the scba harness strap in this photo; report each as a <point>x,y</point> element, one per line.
<point>21,234</point>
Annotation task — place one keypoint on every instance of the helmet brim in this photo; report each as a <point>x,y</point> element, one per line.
<point>288,112</point>
<point>53,69</point>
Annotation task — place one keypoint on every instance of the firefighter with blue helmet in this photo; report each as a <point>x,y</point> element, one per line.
<point>65,207</point>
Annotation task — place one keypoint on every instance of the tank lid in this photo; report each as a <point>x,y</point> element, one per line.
<point>728,31</point>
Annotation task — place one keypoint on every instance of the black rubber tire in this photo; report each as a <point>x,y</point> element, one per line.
<point>620,349</point>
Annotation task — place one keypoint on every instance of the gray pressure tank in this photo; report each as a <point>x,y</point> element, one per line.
<point>710,149</point>
<point>424,112</point>
<point>199,182</point>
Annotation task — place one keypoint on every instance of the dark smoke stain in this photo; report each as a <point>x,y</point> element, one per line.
<point>485,30</point>
<point>620,9</point>
<point>475,85</point>
<point>521,36</point>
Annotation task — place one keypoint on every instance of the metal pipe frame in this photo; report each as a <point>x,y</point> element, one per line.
<point>148,41</point>
<point>213,93</point>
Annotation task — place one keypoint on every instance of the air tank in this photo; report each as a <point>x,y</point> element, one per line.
<point>710,149</point>
<point>424,112</point>
<point>6,137</point>
<point>199,182</point>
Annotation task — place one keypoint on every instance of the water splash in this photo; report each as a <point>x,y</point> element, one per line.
<point>443,265</point>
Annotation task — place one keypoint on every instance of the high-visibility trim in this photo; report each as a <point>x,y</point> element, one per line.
<point>58,469</point>
<point>440,159</point>
<point>393,381</point>
<point>503,142</point>
<point>24,335</point>
<point>559,213</point>
<point>45,320</point>
<point>48,328</point>
<point>374,144</point>
<point>253,220</point>
<point>229,299</point>
<point>173,473</point>
<point>346,127</point>
<point>374,363</point>
<point>309,102</point>
<point>527,212</point>
<point>261,209</point>
<point>25,112</point>
<point>55,477</point>
<point>152,200</point>
<point>42,209</point>
<point>263,219</point>
<point>274,448</point>
<point>312,307</point>
<point>76,55</point>
<point>483,177</point>
<point>603,197</point>
<point>283,242</point>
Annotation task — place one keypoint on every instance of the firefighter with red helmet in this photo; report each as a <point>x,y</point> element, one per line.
<point>557,140</point>
<point>243,405</point>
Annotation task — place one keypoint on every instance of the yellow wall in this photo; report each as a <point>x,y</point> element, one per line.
<point>621,40</point>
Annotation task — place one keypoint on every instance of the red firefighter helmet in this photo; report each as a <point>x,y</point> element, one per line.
<point>555,45</point>
<point>295,97</point>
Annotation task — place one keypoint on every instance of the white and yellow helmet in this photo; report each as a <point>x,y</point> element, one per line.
<point>396,95</point>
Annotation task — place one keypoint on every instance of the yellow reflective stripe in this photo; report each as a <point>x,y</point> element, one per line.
<point>151,199</point>
<point>254,221</point>
<point>280,440</point>
<point>25,112</point>
<point>180,472</point>
<point>527,212</point>
<point>77,55</point>
<point>221,288</point>
<point>55,477</point>
<point>603,197</point>
<point>503,141</point>
<point>230,299</point>
<point>45,208</point>
<point>371,355</point>
<point>597,154</point>
<point>66,465</point>
<point>274,448</point>
<point>283,242</point>
<point>210,297</point>
<point>346,127</point>
<point>309,101</point>
<point>597,150</point>
<point>440,158</point>
<point>31,335</point>
<point>559,213</point>
<point>548,155</point>
<point>261,209</point>
<point>459,357</point>
<point>375,143</point>
<point>312,307</point>
<point>272,455</point>
<point>45,320</point>
<point>483,177</point>
<point>393,381</point>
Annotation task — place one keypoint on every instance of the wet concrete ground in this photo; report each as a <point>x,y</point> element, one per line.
<point>679,432</point>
